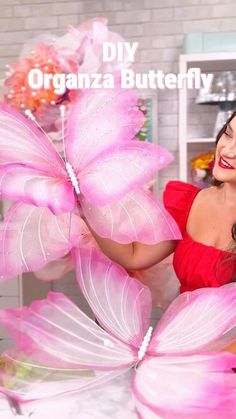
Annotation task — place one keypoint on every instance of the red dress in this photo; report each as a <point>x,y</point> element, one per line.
<point>196,265</point>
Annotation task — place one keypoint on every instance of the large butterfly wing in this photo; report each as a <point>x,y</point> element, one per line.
<point>59,268</point>
<point>59,350</point>
<point>31,237</point>
<point>187,386</point>
<point>35,382</point>
<point>182,370</point>
<point>19,183</point>
<point>28,160</point>
<point>120,169</point>
<point>138,216</point>
<point>56,333</point>
<point>197,321</point>
<point>56,269</point>
<point>39,382</point>
<point>121,304</point>
<point>145,412</point>
<point>95,403</point>
<point>23,143</point>
<point>100,119</point>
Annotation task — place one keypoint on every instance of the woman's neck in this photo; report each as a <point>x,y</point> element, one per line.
<point>227,194</point>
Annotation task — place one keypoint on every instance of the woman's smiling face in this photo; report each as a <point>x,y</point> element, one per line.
<point>225,157</point>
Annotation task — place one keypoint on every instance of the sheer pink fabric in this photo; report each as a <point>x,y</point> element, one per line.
<point>31,237</point>
<point>181,370</point>
<point>109,167</point>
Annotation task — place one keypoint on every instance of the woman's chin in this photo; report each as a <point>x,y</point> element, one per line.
<point>225,177</point>
<point>221,175</point>
<point>216,174</point>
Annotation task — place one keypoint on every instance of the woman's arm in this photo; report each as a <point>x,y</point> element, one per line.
<point>134,255</point>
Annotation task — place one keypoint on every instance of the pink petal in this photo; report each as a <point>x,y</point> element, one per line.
<point>117,171</point>
<point>56,269</point>
<point>23,143</point>
<point>100,280</point>
<point>19,183</point>
<point>188,385</point>
<point>56,333</point>
<point>100,119</point>
<point>152,224</point>
<point>31,237</point>
<point>204,319</point>
<point>43,382</point>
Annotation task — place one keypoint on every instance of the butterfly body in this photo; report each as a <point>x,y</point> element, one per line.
<point>144,347</point>
<point>73,178</point>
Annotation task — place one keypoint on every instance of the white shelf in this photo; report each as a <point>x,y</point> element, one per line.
<point>200,140</point>
<point>213,56</point>
<point>207,62</point>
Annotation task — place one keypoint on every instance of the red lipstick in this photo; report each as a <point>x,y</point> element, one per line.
<point>224,164</point>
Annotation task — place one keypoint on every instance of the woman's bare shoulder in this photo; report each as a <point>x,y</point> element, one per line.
<point>205,199</point>
<point>208,193</point>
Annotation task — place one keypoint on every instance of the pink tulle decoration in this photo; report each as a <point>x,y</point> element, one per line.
<point>180,368</point>
<point>80,50</point>
<point>138,217</point>
<point>106,171</point>
<point>28,159</point>
<point>31,237</point>
<point>87,42</point>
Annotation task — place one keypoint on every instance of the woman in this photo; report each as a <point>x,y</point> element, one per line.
<point>207,220</point>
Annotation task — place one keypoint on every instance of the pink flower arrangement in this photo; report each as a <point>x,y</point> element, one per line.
<point>79,50</point>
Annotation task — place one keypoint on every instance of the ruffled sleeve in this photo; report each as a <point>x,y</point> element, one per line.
<point>178,198</point>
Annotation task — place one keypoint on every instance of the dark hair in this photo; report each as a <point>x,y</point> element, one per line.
<point>217,183</point>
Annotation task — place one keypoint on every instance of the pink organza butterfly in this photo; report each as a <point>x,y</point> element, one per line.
<point>179,370</point>
<point>106,171</point>
<point>96,149</point>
